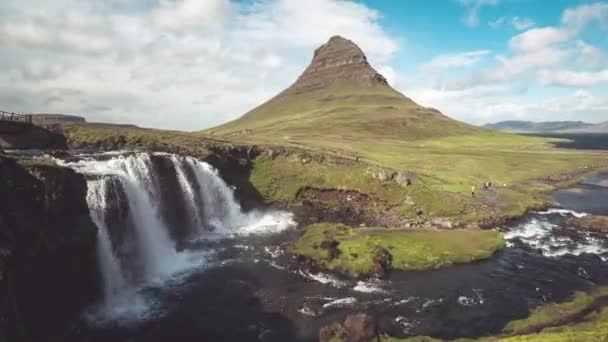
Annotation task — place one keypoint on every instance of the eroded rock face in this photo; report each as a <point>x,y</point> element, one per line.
<point>19,135</point>
<point>359,327</point>
<point>591,223</point>
<point>337,60</point>
<point>47,250</point>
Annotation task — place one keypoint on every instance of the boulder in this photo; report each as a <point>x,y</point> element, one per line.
<point>332,248</point>
<point>358,327</point>
<point>383,262</point>
<point>403,179</point>
<point>312,307</point>
<point>384,175</point>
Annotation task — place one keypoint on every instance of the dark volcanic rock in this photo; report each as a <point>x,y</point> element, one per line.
<point>19,135</point>
<point>383,262</point>
<point>356,328</point>
<point>48,258</point>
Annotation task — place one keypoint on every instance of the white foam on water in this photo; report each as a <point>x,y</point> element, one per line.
<point>544,236</point>
<point>324,278</point>
<point>405,323</point>
<point>273,251</point>
<point>265,223</point>
<point>476,299</point>
<point>405,301</point>
<point>341,303</point>
<point>371,286</point>
<point>429,302</point>
<point>562,212</point>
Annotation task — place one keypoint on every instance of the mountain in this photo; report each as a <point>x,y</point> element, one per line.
<point>341,95</point>
<point>549,127</point>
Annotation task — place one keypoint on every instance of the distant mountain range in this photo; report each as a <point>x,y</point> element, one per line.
<point>549,127</point>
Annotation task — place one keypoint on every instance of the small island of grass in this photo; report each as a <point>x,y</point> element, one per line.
<point>355,251</point>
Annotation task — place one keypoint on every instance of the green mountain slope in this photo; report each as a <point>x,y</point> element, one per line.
<point>341,95</point>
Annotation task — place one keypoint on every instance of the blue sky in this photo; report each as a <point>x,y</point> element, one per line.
<point>191,64</point>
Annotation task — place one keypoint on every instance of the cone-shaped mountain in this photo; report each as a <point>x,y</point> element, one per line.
<point>341,95</point>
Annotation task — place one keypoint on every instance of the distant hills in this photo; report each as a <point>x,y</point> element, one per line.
<point>340,95</point>
<point>549,127</point>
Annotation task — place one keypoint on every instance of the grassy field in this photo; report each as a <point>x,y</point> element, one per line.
<point>444,169</point>
<point>410,249</point>
<point>341,109</point>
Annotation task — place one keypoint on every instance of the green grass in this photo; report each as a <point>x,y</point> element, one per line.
<point>410,249</point>
<point>113,137</point>
<point>547,314</point>
<point>338,110</point>
<point>554,322</point>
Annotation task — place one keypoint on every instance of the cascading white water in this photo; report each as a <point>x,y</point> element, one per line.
<point>221,210</point>
<point>113,279</point>
<point>157,249</point>
<point>158,258</point>
<point>188,189</point>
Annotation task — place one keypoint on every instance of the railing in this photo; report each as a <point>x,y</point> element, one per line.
<point>15,116</point>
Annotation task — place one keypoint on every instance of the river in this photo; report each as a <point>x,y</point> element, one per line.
<point>236,284</point>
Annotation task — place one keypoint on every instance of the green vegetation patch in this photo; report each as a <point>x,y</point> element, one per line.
<point>117,137</point>
<point>551,314</point>
<point>410,249</point>
<point>584,318</point>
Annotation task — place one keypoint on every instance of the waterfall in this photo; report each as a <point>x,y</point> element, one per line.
<point>113,279</point>
<point>157,249</point>
<point>188,190</point>
<point>222,211</point>
<point>135,247</point>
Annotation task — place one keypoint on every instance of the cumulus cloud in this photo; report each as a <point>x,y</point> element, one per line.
<point>180,64</point>
<point>579,17</point>
<point>539,38</point>
<point>534,58</point>
<point>176,15</point>
<point>73,31</point>
<point>571,78</point>
<point>589,56</point>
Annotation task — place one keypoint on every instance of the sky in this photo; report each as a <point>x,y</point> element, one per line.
<point>193,64</point>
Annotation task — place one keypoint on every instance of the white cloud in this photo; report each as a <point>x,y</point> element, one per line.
<point>178,64</point>
<point>177,15</point>
<point>497,23</point>
<point>589,56</point>
<point>539,38</point>
<point>473,7</point>
<point>518,23</point>
<point>579,17</point>
<point>571,78</point>
<point>74,31</point>
<point>455,60</point>
<point>521,24</point>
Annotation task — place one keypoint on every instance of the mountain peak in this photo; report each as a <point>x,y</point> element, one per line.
<point>341,95</point>
<point>337,60</point>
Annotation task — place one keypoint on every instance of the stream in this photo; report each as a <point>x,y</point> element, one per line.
<point>233,282</point>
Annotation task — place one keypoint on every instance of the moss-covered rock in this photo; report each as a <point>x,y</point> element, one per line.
<point>374,251</point>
